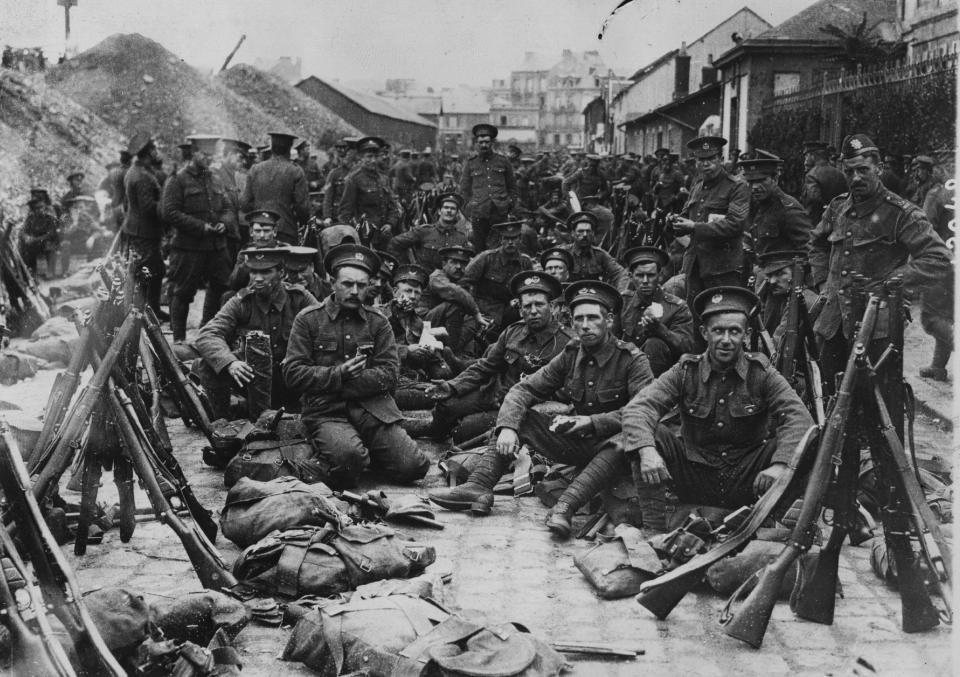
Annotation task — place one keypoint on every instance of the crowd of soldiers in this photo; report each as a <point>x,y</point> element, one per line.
<point>623,287</point>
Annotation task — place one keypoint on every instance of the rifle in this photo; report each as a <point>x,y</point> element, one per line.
<point>55,578</point>
<point>203,555</point>
<point>663,593</point>
<point>52,465</point>
<point>787,359</point>
<point>182,389</point>
<point>749,623</point>
<point>380,507</point>
<point>33,652</point>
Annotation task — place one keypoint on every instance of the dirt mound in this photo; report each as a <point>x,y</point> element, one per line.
<point>44,135</point>
<point>135,83</point>
<point>302,115</point>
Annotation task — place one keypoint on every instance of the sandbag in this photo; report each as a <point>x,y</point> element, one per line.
<point>268,459</point>
<point>619,566</point>
<point>196,616</point>
<point>254,509</point>
<point>322,561</point>
<point>406,636</point>
<point>729,573</point>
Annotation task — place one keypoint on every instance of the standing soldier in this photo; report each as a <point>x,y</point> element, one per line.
<point>367,195</point>
<point>336,177</point>
<point>488,275</point>
<point>777,221</point>
<point>308,163</point>
<point>822,183</point>
<point>232,152</point>
<point>403,174</point>
<point>426,241</point>
<point>266,305</point>
<point>427,169</point>
<point>521,349</point>
<point>588,179</point>
<point>924,179</point>
<point>40,233</point>
<point>488,186</point>
<point>342,359</point>
<point>195,207</point>
<point>142,225</point>
<point>666,193</point>
<point>279,184</point>
<point>715,217</point>
<point>874,233</point>
<point>658,323</point>
<point>597,374</point>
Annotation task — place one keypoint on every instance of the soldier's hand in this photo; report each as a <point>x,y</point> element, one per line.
<point>241,372</point>
<point>209,229</point>
<point>220,228</point>
<point>419,352</point>
<point>681,226</point>
<point>508,444</point>
<point>575,426</point>
<point>441,390</point>
<point>386,229</point>
<point>648,467</point>
<point>352,367</point>
<point>766,478</point>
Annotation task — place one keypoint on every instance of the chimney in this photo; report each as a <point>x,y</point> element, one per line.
<point>681,74</point>
<point>707,76</point>
<point>566,53</point>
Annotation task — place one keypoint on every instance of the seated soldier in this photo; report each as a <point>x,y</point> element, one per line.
<point>558,262</point>
<point>658,323</point>
<point>590,262</point>
<point>263,234</point>
<point>488,275</point>
<point>380,290</point>
<point>417,361</point>
<point>426,241</point>
<point>740,420</point>
<point>299,265</point>
<point>230,344</point>
<point>342,359</point>
<point>776,267</point>
<point>521,349</point>
<point>597,374</point>
<point>444,303</point>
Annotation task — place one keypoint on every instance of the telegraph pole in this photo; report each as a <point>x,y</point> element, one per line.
<point>66,4</point>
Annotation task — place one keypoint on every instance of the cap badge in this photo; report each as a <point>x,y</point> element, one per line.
<point>706,145</point>
<point>856,143</point>
<point>531,280</point>
<point>717,298</point>
<point>358,256</point>
<point>589,291</point>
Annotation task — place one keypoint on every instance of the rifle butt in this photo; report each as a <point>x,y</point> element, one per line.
<point>749,623</point>
<point>814,597</point>
<point>661,599</point>
<point>917,611</point>
<point>123,478</point>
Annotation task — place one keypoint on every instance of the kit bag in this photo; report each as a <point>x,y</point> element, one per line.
<point>405,636</point>
<point>265,460</point>
<point>322,561</point>
<point>619,566</point>
<point>254,509</point>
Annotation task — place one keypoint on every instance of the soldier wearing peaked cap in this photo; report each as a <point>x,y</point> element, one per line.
<point>243,346</point>
<point>342,359</point>
<point>263,234</point>
<point>426,241</point>
<point>279,184</point>
<point>142,225</point>
<point>488,275</point>
<point>588,179</point>
<point>597,374</point>
<point>657,322</point>
<point>445,303</point>
<point>367,193</point>
<point>777,221</point>
<point>196,206</point>
<point>715,218</point>
<point>591,262</point>
<point>472,398</point>
<point>822,181</point>
<point>726,455</point>
<point>488,186</point>
<point>403,175</point>
<point>300,267</point>
<point>308,163</point>
<point>873,233</point>
<point>776,267</point>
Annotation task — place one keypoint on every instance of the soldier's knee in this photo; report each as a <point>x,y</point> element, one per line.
<point>659,355</point>
<point>347,457</point>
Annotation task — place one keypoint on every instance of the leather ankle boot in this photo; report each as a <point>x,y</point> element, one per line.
<point>600,472</point>
<point>476,494</point>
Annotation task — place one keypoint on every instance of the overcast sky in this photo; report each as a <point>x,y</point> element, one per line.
<point>438,42</point>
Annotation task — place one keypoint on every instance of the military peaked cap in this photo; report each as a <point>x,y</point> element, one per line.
<point>299,258</point>
<point>582,217</point>
<point>457,252</point>
<point>706,146</point>
<point>139,142</point>
<point>725,300</point>
<point>485,129</point>
<point>814,146</point>
<point>265,216</point>
<point>535,281</point>
<point>510,228</point>
<point>771,262</point>
<point>411,273</point>
<point>760,168</point>
<point>204,142</point>
<point>857,145</point>
<point>263,258</point>
<point>452,197</point>
<point>370,143</point>
<point>592,291</point>
<point>557,254</point>
<point>354,255</point>
<point>637,255</point>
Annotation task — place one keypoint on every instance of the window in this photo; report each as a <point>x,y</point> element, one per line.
<point>503,120</point>
<point>569,138</point>
<point>451,121</point>
<point>556,139</point>
<point>785,82</point>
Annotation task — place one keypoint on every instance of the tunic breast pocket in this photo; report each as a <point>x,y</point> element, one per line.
<point>768,228</point>
<point>326,350</point>
<point>698,409</point>
<point>613,398</point>
<point>747,413</point>
<point>194,200</point>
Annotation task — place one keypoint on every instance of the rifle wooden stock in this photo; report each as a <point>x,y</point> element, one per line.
<point>663,593</point>
<point>55,578</point>
<point>31,653</point>
<point>89,487</point>
<point>63,390</point>
<point>749,623</point>
<point>787,359</point>
<point>191,408</point>
<point>204,557</point>
<point>58,460</point>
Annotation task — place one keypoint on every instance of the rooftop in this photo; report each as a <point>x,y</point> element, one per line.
<point>373,104</point>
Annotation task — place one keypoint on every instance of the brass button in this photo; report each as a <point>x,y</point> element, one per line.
<point>724,454</point>
<point>720,401</point>
<point>719,424</point>
<point>849,233</point>
<point>846,253</point>
<point>843,272</point>
<point>589,383</point>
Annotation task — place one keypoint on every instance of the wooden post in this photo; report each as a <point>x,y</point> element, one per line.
<point>66,4</point>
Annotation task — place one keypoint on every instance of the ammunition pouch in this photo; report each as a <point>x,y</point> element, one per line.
<point>618,567</point>
<point>227,440</point>
<point>254,509</point>
<point>322,561</point>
